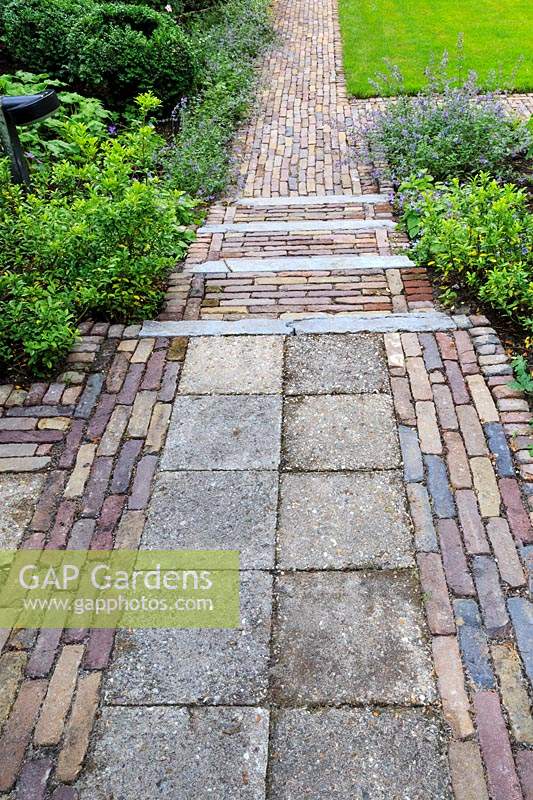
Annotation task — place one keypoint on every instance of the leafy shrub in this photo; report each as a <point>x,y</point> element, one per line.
<point>478,236</point>
<point>227,41</point>
<point>112,50</point>
<point>43,140</point>
<point>117,50</point>
<point>96,236</point>
<point>450,133</point>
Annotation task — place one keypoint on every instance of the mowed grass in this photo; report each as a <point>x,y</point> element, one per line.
<point>496,34</point>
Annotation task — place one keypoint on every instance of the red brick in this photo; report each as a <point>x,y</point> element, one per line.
<point>516,514</point>
<point>492,733</point>
<point>17,730</point>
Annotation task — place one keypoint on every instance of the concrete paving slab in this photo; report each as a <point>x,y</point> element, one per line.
<point>358,753</point>
<point>335,364</point>
<point>304,264</point>
<point>171,753</point>
<point>350,637</point>
<point>300,225</point>
<point>339,521</point>
<point>233,365</point>
<point>215,511</point>
<point>216,667</point>
<point>18,495</point>
<point>340,432</point>
<point>223,432</point>
<point>313,200</point>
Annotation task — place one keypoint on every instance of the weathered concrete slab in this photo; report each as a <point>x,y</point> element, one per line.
<point>337,521</point>
<point>233,365</point>
<point>216,667</point>
<point>338,363</point>
<point>223,432</point>
<point>300,225</point>
<point>183,753</point>
<point>378,323</point>
<point>215,511</point>
<point>350,637</point>
<point>19,494</point>
<point>340,432</point>
<point>358,754</point>
<point>206,327</point>
<point>303,264</point>
<point>313,200</point>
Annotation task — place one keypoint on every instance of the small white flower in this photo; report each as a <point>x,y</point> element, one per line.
<point>168,8</point>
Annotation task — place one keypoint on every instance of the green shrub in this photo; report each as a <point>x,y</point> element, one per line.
<point>227,41</point>
<point>118,50</point>
<point>477,236</point>
<point>43,141</point>
<point>96,236</point>
<point>110,50</point>
<point>450,133</point>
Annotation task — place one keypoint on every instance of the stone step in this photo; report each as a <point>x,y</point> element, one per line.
<point>298,226</point>
<point>303,264</point>
<point>364,323</point>
<point>314,200</point>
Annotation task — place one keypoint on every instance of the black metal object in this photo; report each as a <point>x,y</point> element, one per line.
<point>22,110</point>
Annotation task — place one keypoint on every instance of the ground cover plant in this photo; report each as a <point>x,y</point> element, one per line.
<point>477,237</point>
<point>95,237</point>
<point>411,32</point>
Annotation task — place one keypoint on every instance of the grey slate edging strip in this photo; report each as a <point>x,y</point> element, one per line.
<point>366,323</point>
<point>300,225</point>
<point>303,263</point>
<point>313,200</point>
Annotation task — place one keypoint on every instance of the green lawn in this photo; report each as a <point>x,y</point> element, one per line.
<point>409,32</point>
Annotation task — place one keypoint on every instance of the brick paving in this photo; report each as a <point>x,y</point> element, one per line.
<point>379,487</point>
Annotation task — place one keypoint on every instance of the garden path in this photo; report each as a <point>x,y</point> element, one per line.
<point>303,401</point>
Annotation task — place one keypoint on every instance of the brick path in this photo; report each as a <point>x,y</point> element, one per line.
<point>365,455</point>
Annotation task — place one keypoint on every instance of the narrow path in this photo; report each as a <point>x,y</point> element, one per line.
<point>302,401</point>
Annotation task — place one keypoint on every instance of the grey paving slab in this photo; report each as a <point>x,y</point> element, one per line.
<point>358,754</point>
<point>233,365</point>
<point>300,225</point>
<point>18,495</point>
<point>171,753</point>
<point>338,363</point>
<point>216,667</point>
<point>215,511</point>
<point>313,200</point>
<point>303,263</point>
<point>377,323</point>
<point>223,432</point>
<point>205,327</point>
<point>350,637</point>
<point>339,521</point>
<point>340,432</point>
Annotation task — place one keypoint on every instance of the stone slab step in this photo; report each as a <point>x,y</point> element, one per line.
<point>303,264</point>
<point>297,226</point>
<point>313,200</point>
<point>364,323</point>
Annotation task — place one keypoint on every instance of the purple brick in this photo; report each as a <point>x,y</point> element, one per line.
<point>99,648</point>
<point>35,394</point>
<point>43,653</point>
<point>101,416</point>
<point>72,444</point>
<point>40,411</point>
<point>142,485</point>
<point>490,596</point>
<point>20,437</point>
<point>154,370</point>
<point>62,524</point>
<point>517,516</point>
<point>170,382</point>
<point>96,487</point>
<point>89,396</point>
<point>109,517</point>
<point>473,531</point>
<point>524,764</point>
<point>456,383</point>
<point>431,354</point>
<point>497,755</point>
<point>65,793</point>
<point>53,395</point>
<point>521,611</point>
<point>44,511</point>
<point>457,574</point>
<point>125,463</point>
<point>130,387</point>
<point>33,777</point>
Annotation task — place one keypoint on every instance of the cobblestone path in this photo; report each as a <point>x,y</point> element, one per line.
<point>300,400</point>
